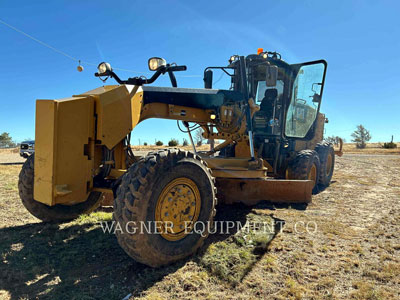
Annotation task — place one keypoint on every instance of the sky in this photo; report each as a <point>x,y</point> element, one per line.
<point>359,40</point>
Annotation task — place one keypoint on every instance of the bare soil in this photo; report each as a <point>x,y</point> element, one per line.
<point>351,249</point>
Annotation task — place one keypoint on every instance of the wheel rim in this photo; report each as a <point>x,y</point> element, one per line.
<point>312,175</point>
<point>329,164</point>
<point>178,208</point>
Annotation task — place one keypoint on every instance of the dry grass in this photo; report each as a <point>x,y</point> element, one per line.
<point>9,150</point>
<point>12,155</point>
<point>354,253</point>
<point>371,148</point>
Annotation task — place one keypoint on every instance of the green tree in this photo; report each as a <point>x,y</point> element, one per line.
<point>335,139</point>
<point>173,142</point>
<point>185,142</point>
<point>390,145</point>
<point>159,143</point>
<point>331,139</point>
<point>360,136</point>
<point>6,140</point>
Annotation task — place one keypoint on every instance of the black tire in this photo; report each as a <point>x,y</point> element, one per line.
<point>326,155</point>
<point>137,198</point>
<point>301,166</point>
<point>56,213</point>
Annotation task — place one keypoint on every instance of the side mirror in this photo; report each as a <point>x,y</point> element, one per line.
<point>208,78</point>
<point>316,98</point>
<point>156,62</point>
<point>271,75</point>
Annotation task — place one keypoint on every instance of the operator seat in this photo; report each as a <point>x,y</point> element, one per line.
<point>267,103</point>
<point>262,117</point>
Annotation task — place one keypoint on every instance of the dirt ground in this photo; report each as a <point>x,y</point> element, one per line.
<point>351,249</point>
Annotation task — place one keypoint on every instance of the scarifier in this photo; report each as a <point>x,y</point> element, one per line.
<point>272,149</point>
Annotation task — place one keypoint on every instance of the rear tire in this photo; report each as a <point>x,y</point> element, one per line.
<point>305,166</point>
<point>326,155</point>
<point>144,187</point>
<point>56,213</point>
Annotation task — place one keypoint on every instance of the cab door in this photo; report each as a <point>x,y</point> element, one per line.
<point>305,99</point>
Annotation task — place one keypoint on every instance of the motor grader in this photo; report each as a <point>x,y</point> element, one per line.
<point>272,149</point>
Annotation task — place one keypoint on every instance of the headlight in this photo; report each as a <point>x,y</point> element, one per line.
<point>104,67</point>
<point>156,62</point>
<point>233,58</point>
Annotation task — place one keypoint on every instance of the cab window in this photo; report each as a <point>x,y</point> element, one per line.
<point>305,100</point>
<point>262,87</point>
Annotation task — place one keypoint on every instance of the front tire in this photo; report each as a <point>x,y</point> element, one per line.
<point>166,186</point>
<point>56,213</point>
<point>305,166</point>
<point>326,155</point>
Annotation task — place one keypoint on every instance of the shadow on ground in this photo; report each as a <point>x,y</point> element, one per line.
<point>52,261</point>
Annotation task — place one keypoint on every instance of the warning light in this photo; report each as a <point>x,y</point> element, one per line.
<point>259,51</point>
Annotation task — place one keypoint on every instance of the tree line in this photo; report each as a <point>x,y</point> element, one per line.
<point>6,141</point>
<point>360,136</point>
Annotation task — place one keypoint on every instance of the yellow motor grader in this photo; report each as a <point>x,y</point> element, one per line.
<point>272,149</point>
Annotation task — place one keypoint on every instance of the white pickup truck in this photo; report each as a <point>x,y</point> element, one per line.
<point>27,148</point>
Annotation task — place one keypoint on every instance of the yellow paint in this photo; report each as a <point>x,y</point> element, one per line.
<point>45,140</point>
<point>62,170</point>
<point>62,190</point>
<point>227,163</point>
<point>232,173</point>
<point>115,173</point>
<point>312,175</point>
<point>233,168</point>
<point>117,113</point>
<point>329,164</point>
<point>71,132</point>
<point>178,208</point>
<point>242,149</point>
